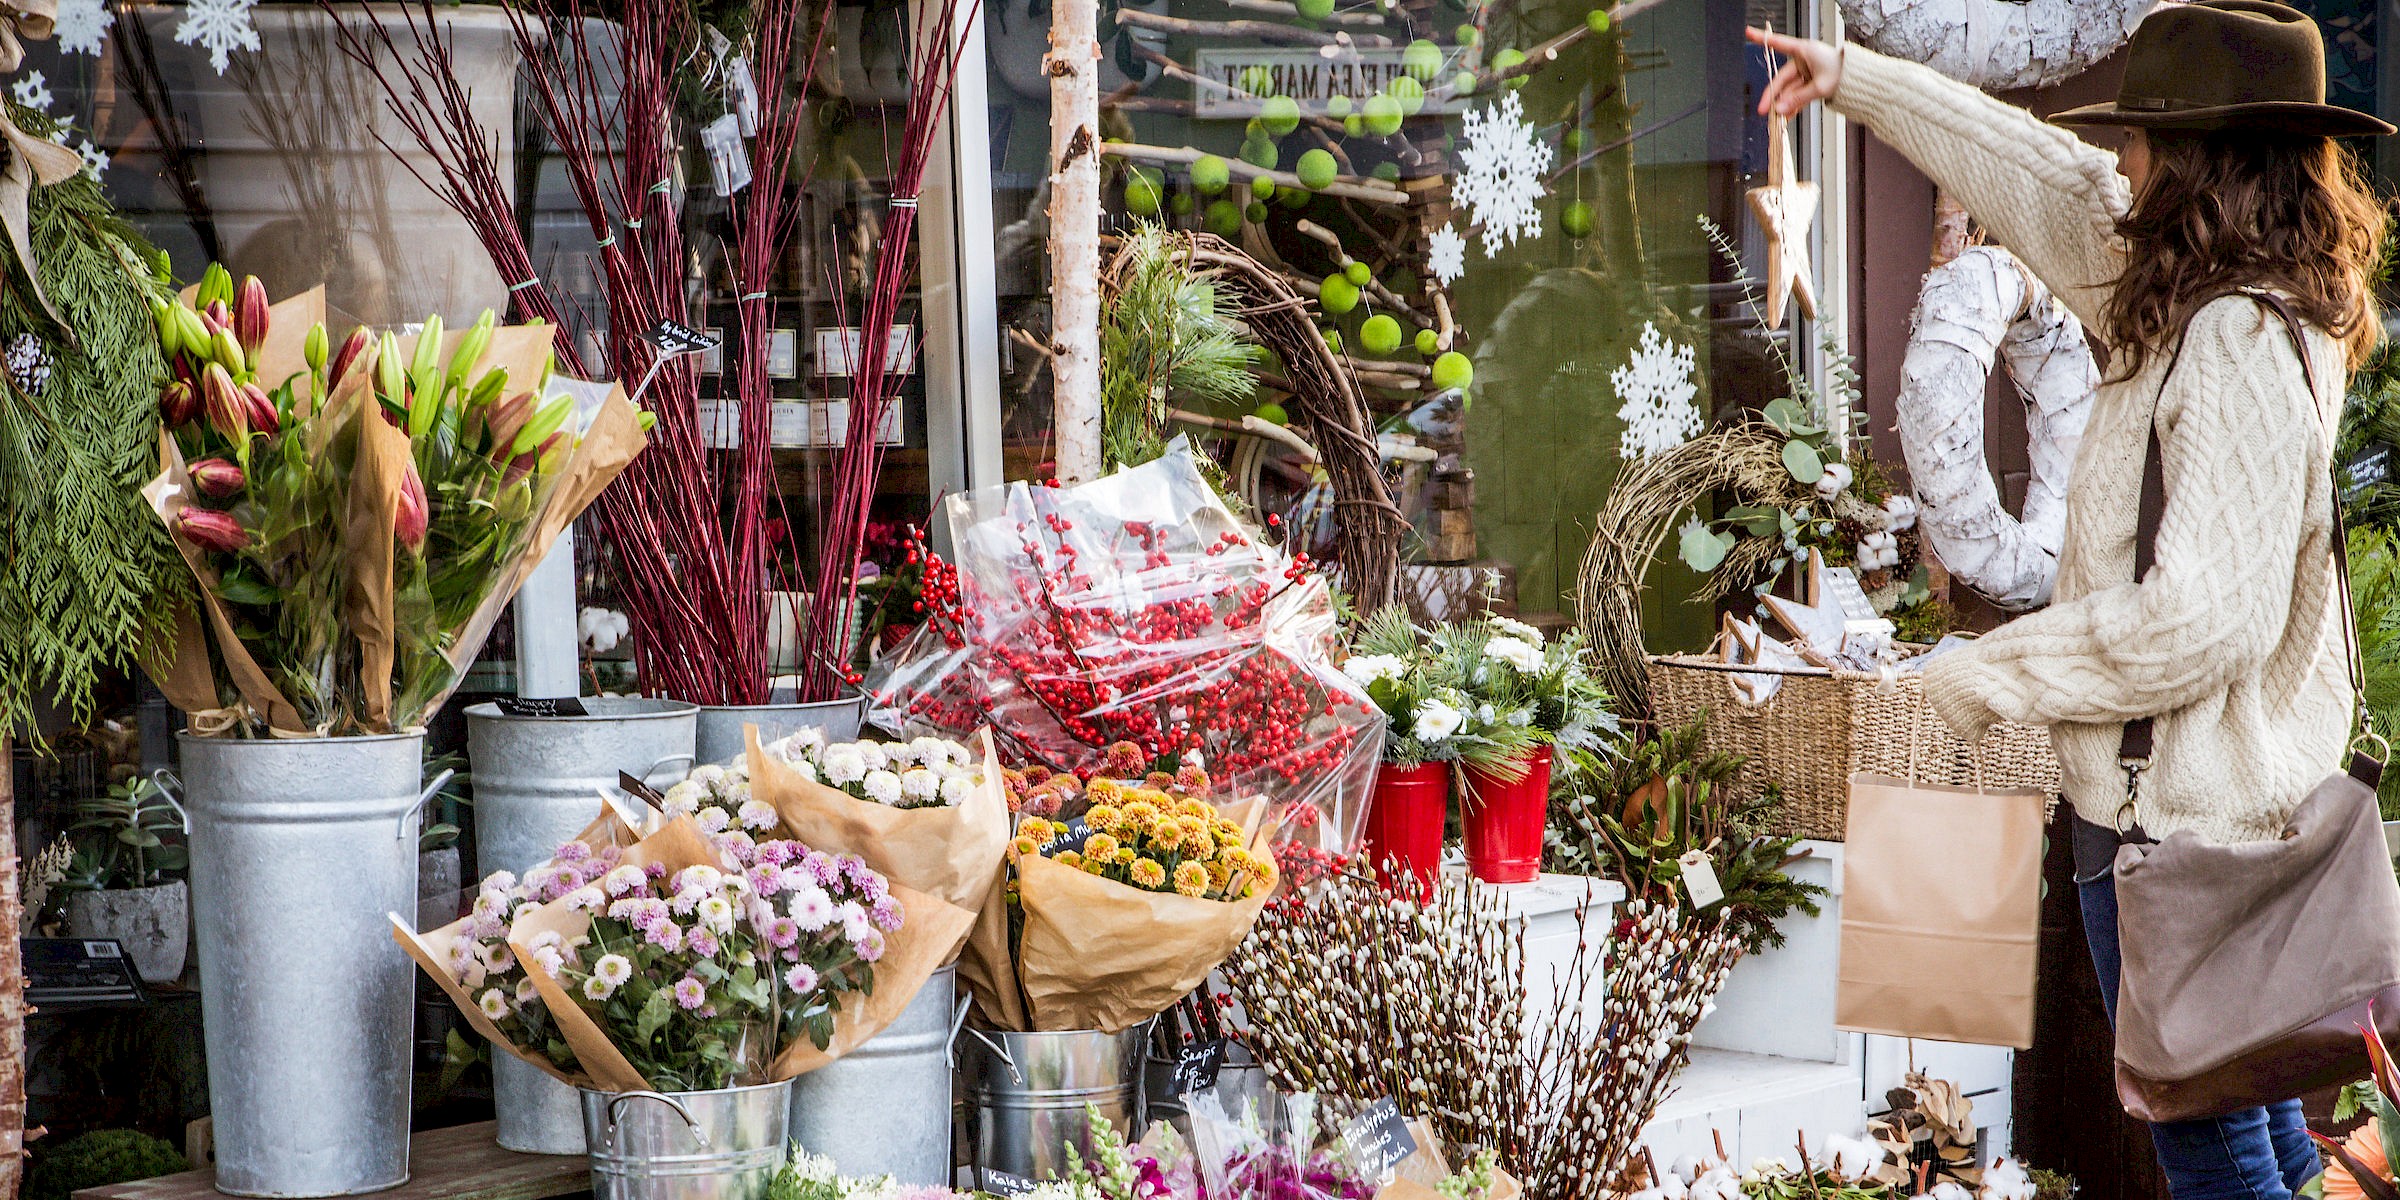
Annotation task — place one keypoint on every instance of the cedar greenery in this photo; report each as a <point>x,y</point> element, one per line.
<point>89,583</point>
<point>1168,329</point>
<point>1631,817</point>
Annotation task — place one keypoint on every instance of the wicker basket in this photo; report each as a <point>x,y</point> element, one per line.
<point>1820,728</point>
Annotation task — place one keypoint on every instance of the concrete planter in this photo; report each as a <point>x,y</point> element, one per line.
<point>152,923</point>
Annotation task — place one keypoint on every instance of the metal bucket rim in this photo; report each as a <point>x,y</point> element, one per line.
<point>789,706</point>
<point>671,710</point>
<point>188,738</point>
<point>731,1091</point>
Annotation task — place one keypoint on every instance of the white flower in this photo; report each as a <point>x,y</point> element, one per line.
<point>493,1003</point>
<point>615,968</point>
<point>585,898</point>
<point>1834,481</point>
<point>1947,1190</point>
<point>708,775</point>
<point>938,752</point>
<point>549,960</point>
<point>1717,1183</point>
<point>758,814</point>
<point>1518,630</point>
<point>1903,508</point>
<point>684,798</point>
<point>882,787</point>
<point>1370,669</point>
<point>597,988</point>
<point>873,753</point>
<point>716,912</point>
<point>843,765</point>
<point>1515,652</point>
<point>1447,257</point>
<point>956,788</point>
<point>811,907</point>
<point>1436,720</point>
<point>713,820</point>
<point>803,744</point>
<point>921,786</point>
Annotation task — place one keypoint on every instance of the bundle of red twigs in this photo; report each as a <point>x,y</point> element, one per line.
<point>933,68</point>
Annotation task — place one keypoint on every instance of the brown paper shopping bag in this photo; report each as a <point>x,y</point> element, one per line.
<point>1941,911</point>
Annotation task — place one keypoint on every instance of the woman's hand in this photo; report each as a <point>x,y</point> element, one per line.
<point>1810,72</point>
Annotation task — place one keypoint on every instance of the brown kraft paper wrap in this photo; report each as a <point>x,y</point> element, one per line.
<point>1935,943</point>
<point>986,967</point>
<point>367,542</point>
<point>950,852</point>
<point>1098,954</point>
<point>1418,1175</point>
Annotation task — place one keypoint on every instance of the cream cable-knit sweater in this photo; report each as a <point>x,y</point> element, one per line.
<point>2233,641</point>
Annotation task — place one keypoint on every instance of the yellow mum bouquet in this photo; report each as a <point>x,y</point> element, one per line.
<point>1148,839</point>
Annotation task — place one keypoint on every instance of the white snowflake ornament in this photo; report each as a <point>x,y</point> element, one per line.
<point>1448,256</point>
<point>81,24</point>
<point>95,159</point>
<point>1656,391</point>
<point>33,92</point>
<point>1500,174</point>
<point>223,26</point>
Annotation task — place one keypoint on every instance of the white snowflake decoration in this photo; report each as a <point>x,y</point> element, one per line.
<point>1657,390</point>
<point>33,92</point>
<point>95,159</point>
<point>81,24</point>
<point>221,25</point>
<point>1500,174</point>
<point>1449,257</point>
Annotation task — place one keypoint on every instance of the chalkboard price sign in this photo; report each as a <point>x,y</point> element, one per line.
<point>641,791</point>
<point>675,337</point>
<point>541,706</point>
<point>1378,1139</point>
<point>1196,1068</point>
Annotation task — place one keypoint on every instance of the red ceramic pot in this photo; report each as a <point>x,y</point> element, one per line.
<point>1504,821</point>
<point>1404,820</point>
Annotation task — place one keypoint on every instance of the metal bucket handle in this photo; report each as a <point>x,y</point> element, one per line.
<point>169,784</point>
<point>686,757</point>
<point>958,1021</point>
<point>1016,1076</point>
<point>617,1101</point>
<point>431,790</point>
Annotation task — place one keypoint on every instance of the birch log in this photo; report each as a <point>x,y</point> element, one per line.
<point>12,993</point>
<point>1982,304</point>
<point>1996,44</point>
<point>1074,67</point>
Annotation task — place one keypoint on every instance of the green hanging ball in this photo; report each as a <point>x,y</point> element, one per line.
<point>1223,218</point>
<point>1358,273</point>
<point>1256,213</point>
<point>1421,60</point>
<point>1409,93</point>
<point>1145,189</point>
<point>1262,188</point>
<point>1281,115</point>
<point>1596,20</point>
<point>1315,10</point>
<point>1273,414</point>
<point>1260,152</point>
<point>1576,219</point>
<point>1571,141</point>
<point>1333,340</point>
<point>1338,104</point>
<point>1180,203</point>
<point>1452,370</point>
<point>1292,197</point>
<point>1383,114</point>
<point>1389,172</point>
<point>1468,35</point>
<point>1380,334</point>
<point>1463,83</point>
<point>1354,125</point>
<point>1317,168</point>
<point>1510,57</point>
<point>1210,174</point>
<point>1337,295</point>
<point>1428,341</point>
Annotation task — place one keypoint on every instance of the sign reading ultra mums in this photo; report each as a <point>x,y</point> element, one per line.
<point>1249,74</point>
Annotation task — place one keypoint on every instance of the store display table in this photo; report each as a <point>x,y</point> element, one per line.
<point>459,1163</point>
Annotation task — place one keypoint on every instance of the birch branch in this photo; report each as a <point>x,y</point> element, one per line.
<point>1264,31</point>
<point>1073,66</point>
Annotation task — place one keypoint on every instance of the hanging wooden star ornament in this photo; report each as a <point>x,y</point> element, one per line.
<point>1785,207</point>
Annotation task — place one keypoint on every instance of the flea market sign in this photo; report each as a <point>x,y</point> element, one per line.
<point>1246,75</point>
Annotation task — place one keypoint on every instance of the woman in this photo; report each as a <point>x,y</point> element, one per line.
<point>2231,644</point>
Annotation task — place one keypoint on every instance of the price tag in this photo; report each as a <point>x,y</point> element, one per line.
<point>641,791</point>
<point>741,87</point>
<point>728,158</point>
<point>1001,1183</point>
<point>540,706</point>
<point>675,337</point>
<point>1197,1067</point>
<point>1070,837</point>
<point>1700,879</point>
<point>1377,1140</point>
<point>65,973</point>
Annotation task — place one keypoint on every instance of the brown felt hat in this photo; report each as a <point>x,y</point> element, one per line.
<point>2226,64</point>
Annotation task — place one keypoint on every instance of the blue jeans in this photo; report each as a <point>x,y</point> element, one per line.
<point>2254,1154</point>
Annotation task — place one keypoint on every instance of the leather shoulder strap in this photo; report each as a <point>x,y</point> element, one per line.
<point>2140,733</point>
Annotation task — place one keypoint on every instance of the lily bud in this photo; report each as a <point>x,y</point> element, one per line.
<point>216,285</point>
<point>222,401</point>
<point>250,314</point>
<point>261,408</point>
<point>552,453</point>
<point>164,320</point>
<point>178,403</point>
<point>224,348</point>
<point>352,347</point>
<point>191,333</point>
<point>315,347</point>
<point>219,314</point>
<point>211,530</point>
<point>506,418</point>
<point>387,370</point>
<point>518,468</point>
<point>217,478</point>
<point>408,524</point>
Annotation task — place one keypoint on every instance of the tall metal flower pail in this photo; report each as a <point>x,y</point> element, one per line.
<point>1026,1094</point>
<point>719,737</point>
<point>884,1108</point>
<point>720,1145</point>
<point>537,783</point>
<point>299,847</point>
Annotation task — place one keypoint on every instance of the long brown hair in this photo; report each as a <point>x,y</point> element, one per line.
<point>2225,209</point>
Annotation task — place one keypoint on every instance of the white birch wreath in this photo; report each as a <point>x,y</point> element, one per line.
<point>1997,44</point>
<point>1982,303</point>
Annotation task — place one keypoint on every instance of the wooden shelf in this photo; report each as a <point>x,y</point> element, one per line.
<point>458,1163</point>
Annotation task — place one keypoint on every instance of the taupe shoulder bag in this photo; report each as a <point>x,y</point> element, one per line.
<point>2250,970</point>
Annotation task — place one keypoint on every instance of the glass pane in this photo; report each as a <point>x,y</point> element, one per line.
<point>1540,182</point>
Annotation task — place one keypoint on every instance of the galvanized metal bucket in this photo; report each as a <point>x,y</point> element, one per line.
<point>718,737</point>
<point>299,847</point>
<point>538,782</point>
<point>884,1108</point>
<point>721,1145</point>
<point>1026,1094</point>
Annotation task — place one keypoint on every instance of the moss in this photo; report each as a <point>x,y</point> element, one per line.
<point>100,1158</point>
